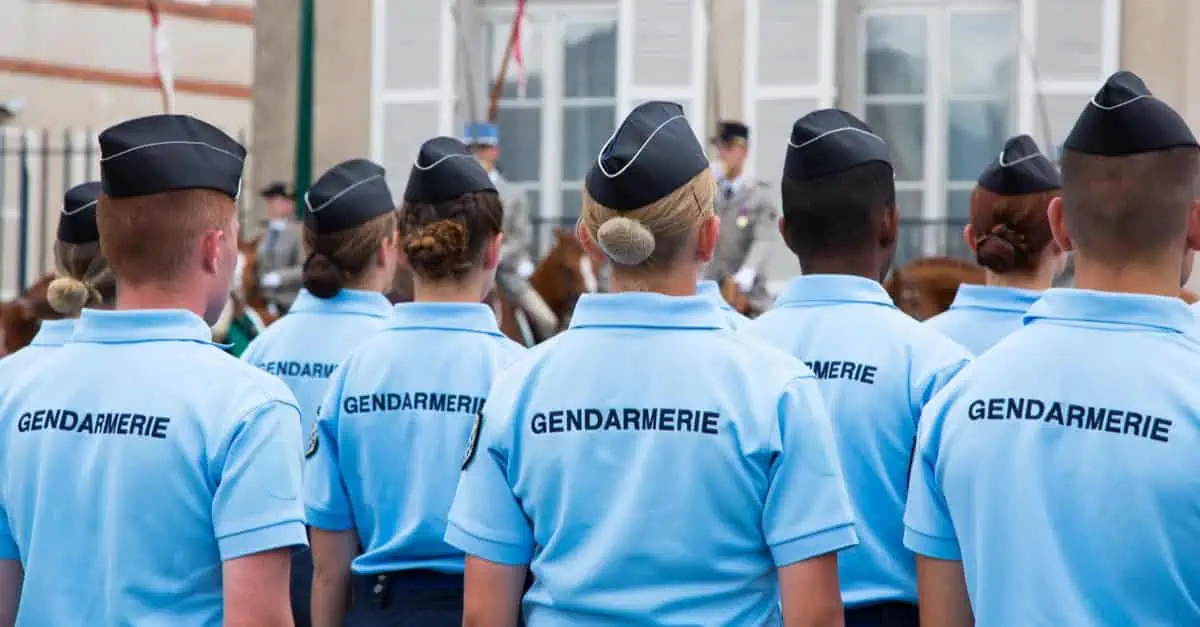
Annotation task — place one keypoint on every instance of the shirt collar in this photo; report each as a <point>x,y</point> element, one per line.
<point>1157,312</point>
<point>646,309</point>
<point>711,290</point>
<point>54,332</point>
<point>475,317</point>
<point>277,224</point>
<point>141,325</point>
<point>994,297</point>
<point>813,289</point>
<point>345,301</point>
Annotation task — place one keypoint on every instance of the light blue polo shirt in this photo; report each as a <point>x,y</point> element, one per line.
<point>305,346</point>
<point>393,430</point>
<point>51,334</point>
<point>1060,467</point>
<point>652,468</point>
<point>148,458</point>
<point>877,367</point>
<point>733,319</point>
<point>982,315</point>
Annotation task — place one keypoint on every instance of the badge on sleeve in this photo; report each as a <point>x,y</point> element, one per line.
<point>743,218</point>
<point>313,442</point>
<point>473,443</point>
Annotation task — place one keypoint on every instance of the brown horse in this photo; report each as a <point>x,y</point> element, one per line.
<point>925,287</point>
<point>562,276</point>
<point>21,318</point>
<point>736,297</point>
<point>247,292</point>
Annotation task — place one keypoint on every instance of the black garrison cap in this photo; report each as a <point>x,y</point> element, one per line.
<point>729,132</point>
<point>828,141</point>
<point>653,153</point>
<point>77,222</point>
<point>445,170</point>
<point>1124,118</point>
<point>163,153</point>
<point>347,195</point>
<point>1020,169</point>
<point>278,189</point>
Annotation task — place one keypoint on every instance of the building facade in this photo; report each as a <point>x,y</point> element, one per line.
<point>944,81</point>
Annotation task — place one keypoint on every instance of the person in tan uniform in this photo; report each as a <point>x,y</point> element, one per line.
<point>749,218</point>
<point>516,264</point>
<point>280,251</point>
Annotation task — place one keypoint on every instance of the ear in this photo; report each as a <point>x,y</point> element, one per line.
<point>969,238</point>
<point>1057,216</point>
<point>593,250</point>
<point>491,252</point>
<point>211,245</point>
<point>1193,226</point>
<point>783,229</point>
<point>709,233</point>
<point>889,232</point>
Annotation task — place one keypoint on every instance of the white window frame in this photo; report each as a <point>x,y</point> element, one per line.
<point>938,13</point>
<point>695,94</point>
<point>552,19</point>
<point>381,95</point>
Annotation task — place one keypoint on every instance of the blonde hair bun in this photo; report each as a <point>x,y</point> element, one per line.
<point>67,295</point>
<point>626,241</point>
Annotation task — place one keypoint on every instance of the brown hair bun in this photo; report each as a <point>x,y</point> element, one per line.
<point>1002,249</point>
<point>322,277</point>
<point>439,249</point>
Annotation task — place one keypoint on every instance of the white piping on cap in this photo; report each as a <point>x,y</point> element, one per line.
<point>77,209</point>
<point>308,203</point>
<point>171,143</point>
<point>604,148</point>
<point>836,130</point>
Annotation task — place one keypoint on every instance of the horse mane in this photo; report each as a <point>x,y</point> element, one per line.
<point>20,319</point>
<point>934,280</point>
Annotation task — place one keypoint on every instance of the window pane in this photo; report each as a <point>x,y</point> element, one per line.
<point>498,34</point>
<point>903,127</point>
<point>912,227</point>
<point>585,129</point>
<point>958,206</point>
<point>520,143</point>
<point>895,54</point>
<point>976,135</point>
<point>572,206</point>
<point>983,53</point>
<point>589,69</point>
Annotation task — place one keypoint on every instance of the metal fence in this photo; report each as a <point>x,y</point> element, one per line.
<point>36,167</point>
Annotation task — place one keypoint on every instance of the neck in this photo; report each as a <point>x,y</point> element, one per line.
<point>375,280</point>
<point>487,164</point>
<point>154,296</point>
<point>1038,280</point>
<point>732,172</point>
<point>853,266</point>
<point>470,289</point>
<point>677,282</point>
<point>1156,279</point>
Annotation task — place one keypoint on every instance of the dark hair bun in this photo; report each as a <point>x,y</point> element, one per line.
<point>322,278</point>
<point>439,249</point>
<point>1002,249</point>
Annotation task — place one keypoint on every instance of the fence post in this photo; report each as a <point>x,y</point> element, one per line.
<point>23,208</point>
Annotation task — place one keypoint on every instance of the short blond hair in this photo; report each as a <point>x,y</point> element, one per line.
<point>152,239</point>
<point>650,237</point>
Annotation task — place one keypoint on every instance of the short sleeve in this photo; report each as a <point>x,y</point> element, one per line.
<point>257,505</point>
<point>486,520</point>
<point>807,512</point>
<point>927,527</point>
<point>8,545</point>
<point>943,361</point>
<point>326,501</point>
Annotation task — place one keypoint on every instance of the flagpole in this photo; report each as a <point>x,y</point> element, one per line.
<point>498,86</point>
<point>157,48</point>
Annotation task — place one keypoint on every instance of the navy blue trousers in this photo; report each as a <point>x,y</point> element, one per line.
<point>302,575</point>
<point>406,599</point>
<point>892,614</point>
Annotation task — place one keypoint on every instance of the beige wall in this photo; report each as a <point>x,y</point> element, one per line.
<point>118,40</point>
<point>276,25</point>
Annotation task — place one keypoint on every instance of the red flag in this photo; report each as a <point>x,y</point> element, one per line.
<point>517,56</point>
<point>160,58</point>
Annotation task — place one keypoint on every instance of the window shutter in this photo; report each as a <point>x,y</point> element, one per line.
<point>413,84</point>
<point>662,54</point>
<point>1068,48</point>
<point>790,53</point>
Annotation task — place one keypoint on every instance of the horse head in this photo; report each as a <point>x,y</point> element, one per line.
<point>925,287</point>
<point>566,273</point>
<point>22,317</point>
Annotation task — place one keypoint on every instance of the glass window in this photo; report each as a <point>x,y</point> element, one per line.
<point>896,54</point>
<point>498,34</point>
<point>589,101</point>
<point>903,126</point>
<point>520,130</point>
<point>585,129</point>
<point>589,53</point>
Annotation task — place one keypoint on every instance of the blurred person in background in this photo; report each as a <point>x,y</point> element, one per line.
<point>280,253</point>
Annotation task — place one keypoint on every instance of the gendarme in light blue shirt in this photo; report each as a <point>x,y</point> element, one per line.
<point>654,468</point>
<point>393,430</point>
<point>304,347</point>
<point>733,320</point>
<point>140,460</point>
<point>877,367</point>
<point>982,315</point>
<point>1060,467</point>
